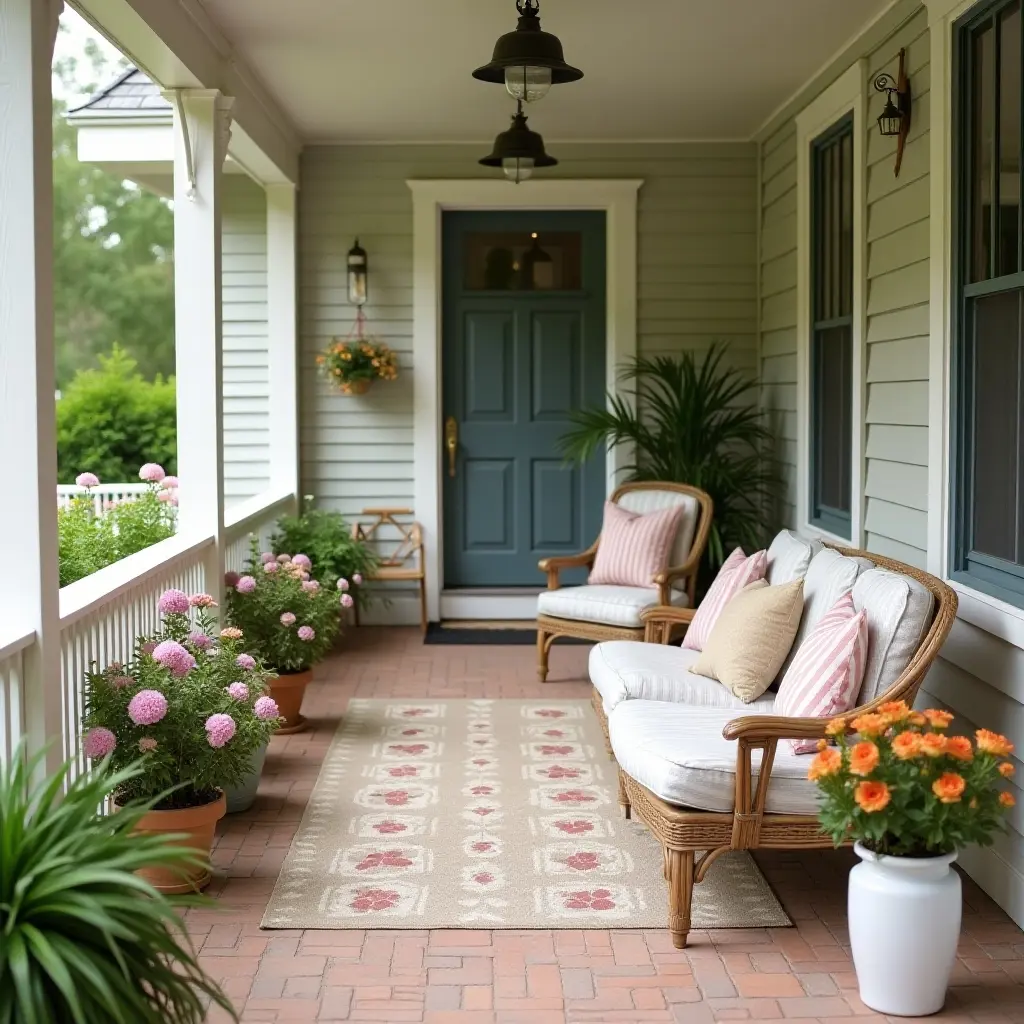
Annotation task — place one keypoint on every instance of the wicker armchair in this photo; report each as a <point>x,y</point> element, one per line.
<point>685,832</point>
<point>676,585</point>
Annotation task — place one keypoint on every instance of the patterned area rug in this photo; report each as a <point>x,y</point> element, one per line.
<point>486,814</point>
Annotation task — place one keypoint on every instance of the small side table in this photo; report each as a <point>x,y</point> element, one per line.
<point>404,562</point>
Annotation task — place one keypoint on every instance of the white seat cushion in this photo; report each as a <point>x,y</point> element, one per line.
<point>623,670</point>
<point>604,603</point>
<point>789,556</point>
<point>899,612</point>
<point>679,754</point>
<point>644,501</point>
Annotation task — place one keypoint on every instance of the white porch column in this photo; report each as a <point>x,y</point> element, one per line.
<point>201,132</point>
<point>28,447</point>
<point>282,337</point>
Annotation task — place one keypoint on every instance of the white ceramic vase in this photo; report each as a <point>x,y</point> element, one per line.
<point>904,915</point>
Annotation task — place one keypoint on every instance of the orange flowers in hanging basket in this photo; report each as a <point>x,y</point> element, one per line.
<point>353,363</point>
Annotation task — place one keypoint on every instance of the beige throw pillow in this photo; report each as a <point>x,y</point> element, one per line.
<point>751,638</point>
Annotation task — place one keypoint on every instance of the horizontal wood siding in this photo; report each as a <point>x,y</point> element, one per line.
<point>244,277</point>
<point>697,281</point>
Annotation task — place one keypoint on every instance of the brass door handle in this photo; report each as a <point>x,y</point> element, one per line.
<point>451,442</point>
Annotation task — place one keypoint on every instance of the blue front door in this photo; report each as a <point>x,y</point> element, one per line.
<point>523,345</point>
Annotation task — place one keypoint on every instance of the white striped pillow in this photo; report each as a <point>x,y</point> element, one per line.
<point>826,673</point>
<point>634,547</point>
<point>737,571</point>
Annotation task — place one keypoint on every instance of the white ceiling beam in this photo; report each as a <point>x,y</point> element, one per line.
<point>178,46</point>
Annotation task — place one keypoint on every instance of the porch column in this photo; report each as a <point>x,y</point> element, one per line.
<point>201,132</point>
<point>282,337</point>
<point>28,445</point>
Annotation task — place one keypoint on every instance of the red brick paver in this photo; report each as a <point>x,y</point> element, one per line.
<point>794,974</point>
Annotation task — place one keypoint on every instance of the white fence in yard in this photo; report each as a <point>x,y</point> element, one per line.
<point>102,615</point>
<point>100,495</point>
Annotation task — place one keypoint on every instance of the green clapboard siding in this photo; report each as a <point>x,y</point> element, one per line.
<point>697,281</point>
<point>244,294</point>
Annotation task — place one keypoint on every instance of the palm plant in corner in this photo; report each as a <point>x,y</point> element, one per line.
<point>83,938</point>
<point>692,422</point>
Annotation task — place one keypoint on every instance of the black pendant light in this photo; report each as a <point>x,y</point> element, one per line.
<point>518,151</point>
<point>528,61</point>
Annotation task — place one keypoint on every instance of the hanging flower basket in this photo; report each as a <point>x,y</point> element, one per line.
<point>351,364</point>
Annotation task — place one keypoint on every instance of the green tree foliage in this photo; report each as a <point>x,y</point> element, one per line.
<point>113,247</point>
<point>111,420</point>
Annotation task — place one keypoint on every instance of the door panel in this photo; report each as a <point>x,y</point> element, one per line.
<point>523,345</point>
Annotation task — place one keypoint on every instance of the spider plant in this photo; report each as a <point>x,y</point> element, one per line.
<point>689,420</point>
<point>83,940</point>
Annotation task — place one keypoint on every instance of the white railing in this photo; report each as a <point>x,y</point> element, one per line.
<point>100,495</point>
<point>101,616</point>
<point>255,516</point>
<point>12,694</point>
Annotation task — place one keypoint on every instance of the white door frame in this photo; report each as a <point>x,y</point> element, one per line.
<point>618,199</point>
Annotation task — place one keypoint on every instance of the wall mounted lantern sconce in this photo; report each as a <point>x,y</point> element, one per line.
<point>529,61</point>
<point>895,117</point>
<point>357,275</point>
<point>518,151</point>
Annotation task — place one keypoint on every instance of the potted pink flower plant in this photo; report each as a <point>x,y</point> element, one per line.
<point>290,621</point>
<point>192,708</point>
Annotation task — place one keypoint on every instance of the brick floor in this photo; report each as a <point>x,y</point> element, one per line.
<point>543,977</point>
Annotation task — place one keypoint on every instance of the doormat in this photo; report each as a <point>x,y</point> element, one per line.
<point>502,636</point>
<point>486,814</point>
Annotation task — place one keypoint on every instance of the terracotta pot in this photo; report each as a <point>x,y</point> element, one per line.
<point>288,690</point>
<point>198,825</point>
<point>358,387</point>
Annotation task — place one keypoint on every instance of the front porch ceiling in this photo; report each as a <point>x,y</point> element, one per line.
<point>398,70</point>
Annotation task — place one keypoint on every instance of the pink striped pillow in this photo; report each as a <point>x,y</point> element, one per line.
<point>737,571</point>
<point>825,675</point>
<point>634,547</point>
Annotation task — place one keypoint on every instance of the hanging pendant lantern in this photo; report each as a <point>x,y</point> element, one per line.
<point>529,60</point>
<point>357,274</point>
<point>518,151</point>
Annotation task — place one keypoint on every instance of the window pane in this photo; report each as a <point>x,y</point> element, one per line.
<point>982,114</point>
<point>996,424</point>
<point>523,261</point>
<point>846,228</point>
<point>833,365</point>
<point>1009,138</point>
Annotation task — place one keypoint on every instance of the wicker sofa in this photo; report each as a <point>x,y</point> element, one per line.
<point>703,770</point>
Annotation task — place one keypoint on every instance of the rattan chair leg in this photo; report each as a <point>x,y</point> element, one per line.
<point>680,894</point>
<point>542,655</point>
<point>624,803</point>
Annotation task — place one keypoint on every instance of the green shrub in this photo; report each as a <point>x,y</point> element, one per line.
<point>111,420</point>
<point>327,540</point>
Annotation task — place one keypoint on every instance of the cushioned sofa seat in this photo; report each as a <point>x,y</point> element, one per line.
<point>678,753</point>
<point>612,605</point>
<point>623,670</point>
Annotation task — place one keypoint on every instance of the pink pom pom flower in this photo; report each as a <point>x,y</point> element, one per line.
<point>303,561</point>
<point>271,567</point>
<point>306,633</point>
<point>245,585</point>
<point>238,691</point>
<point>310,586</point>
<point>284,559</point>
<point>147,707</point>
<point>147,744</point>
<point>149,647</point>
<point>152,473</point>
<point>202,601</point>
<point>267,556</point>
<point>231,633</point>
<point>287,619</point>
<point>266,707</point>
<point>357,578</point>
<point>219,729</point>
<point>87,480</point>
<point>174,658</point>
<point>173,602</point>
<point>98,742</point>
<point>231,578</point>
<point>197,638</point>
<point>246,661</point>
<point>346,601</point>
<point>167,497</point>
<point>343,584</point>
<point>169,483</point>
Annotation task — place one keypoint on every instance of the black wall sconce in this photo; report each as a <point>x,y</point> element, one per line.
<point>894,119</point>
<point>357,275</point>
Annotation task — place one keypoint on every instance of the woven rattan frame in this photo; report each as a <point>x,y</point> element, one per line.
<point>550,628</point>
<point>684,832</point>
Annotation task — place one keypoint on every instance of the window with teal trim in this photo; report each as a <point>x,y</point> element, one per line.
<point>987,407</point>
<point>831,355</point>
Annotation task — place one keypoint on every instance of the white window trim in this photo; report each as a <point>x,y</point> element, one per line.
<point>618,199</point>
<point>982,610</point>
<point>846,94</point>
